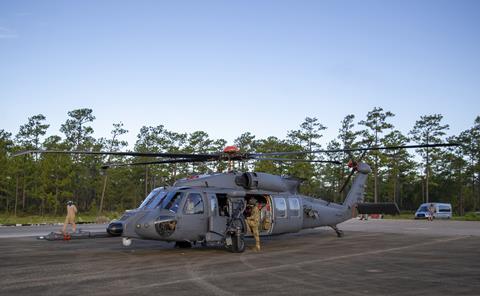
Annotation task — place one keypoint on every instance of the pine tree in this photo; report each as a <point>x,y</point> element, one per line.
<point>398,162</point>
<point>6,177</point>
<point>29,137</point>
<point>112,144</point>
<point>428,130</point>
<point>85,169</point>
<point>376,123</point>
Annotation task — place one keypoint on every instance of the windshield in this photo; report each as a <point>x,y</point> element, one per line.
<point>155,195</point>
<point>423,209</point>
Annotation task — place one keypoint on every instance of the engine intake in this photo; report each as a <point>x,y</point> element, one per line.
<point>262,181</point>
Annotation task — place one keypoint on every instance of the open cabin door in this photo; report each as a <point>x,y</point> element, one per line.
<point>217,221</point>
<point>264,203</point>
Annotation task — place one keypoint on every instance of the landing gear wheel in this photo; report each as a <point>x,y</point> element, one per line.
<point>235,243</point>
<point>183,245</point>
<point>234,238</point>
<point>238,244</point>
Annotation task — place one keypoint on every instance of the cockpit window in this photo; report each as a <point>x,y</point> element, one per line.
<point>193,204</point>
<point>157,201</point>
<point>149,198</point>
<point>172,201</point>
<point>155,195</point>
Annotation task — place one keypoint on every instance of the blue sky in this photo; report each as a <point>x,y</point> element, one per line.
<point>227,67</point>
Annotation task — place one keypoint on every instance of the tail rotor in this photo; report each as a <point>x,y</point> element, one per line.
<point>353,165</point>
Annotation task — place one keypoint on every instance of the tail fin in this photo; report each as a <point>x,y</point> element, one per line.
<point>356,193</point>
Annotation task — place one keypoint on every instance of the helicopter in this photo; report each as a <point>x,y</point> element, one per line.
<point>210,209</point>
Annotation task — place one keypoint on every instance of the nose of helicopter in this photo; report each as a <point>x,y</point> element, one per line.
<point>115,228</point>
<point>150,224</point>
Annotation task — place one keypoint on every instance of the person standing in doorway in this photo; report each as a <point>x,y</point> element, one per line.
<point>253,221</point>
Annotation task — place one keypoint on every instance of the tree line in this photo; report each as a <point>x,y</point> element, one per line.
<point>41,184</point>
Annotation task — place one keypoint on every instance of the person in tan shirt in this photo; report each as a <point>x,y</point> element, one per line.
<point>70,219</point>
<point>253,221</point>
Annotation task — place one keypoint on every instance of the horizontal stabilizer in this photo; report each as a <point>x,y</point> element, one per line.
<point>387,208</point>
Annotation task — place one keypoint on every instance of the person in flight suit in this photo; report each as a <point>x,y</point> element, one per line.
<point>70,219</point>
<point>253,221</point>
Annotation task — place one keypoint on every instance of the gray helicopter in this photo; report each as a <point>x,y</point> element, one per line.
<point>210,209</point>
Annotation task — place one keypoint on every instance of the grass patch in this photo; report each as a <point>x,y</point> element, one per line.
<point>470,216</point>
<point>49,219</point>
<point>403,215</point>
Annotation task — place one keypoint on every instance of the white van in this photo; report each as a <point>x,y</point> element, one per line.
<point>442,211</point>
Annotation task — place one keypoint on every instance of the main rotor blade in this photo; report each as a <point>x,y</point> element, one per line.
<point>398,147</point>
<point>353,149</point>
<point>297,160</point>
<point>145,154</point>
<point>109,165</point>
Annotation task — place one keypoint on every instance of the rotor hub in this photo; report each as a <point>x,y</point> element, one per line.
<point>231,149</point>
<point>352,164</point>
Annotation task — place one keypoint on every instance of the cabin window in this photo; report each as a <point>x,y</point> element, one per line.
<point>213,205</point>
<point>444,209</point>
<point>280,207</point>
<point>193,204</point>
<point>294,206</point>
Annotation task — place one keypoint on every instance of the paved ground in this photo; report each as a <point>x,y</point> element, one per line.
<point>416,227</point>
<point>373,258</point>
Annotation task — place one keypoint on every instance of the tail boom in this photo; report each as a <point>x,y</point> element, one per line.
<point>356,193</point>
